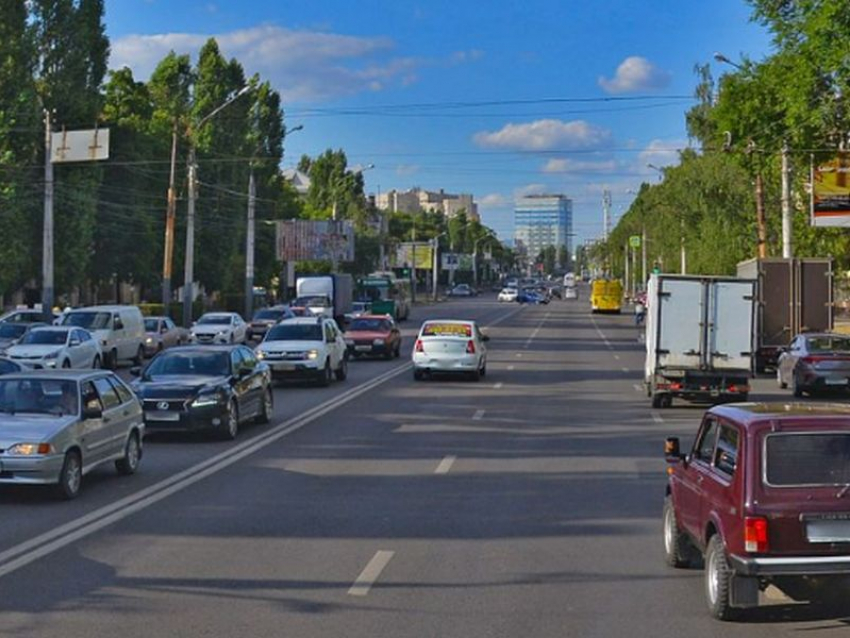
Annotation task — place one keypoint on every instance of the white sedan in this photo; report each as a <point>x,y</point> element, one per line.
<point>450,347</point>
<point>219,327</point>
<point>48,348</point>
<point>508,294</point>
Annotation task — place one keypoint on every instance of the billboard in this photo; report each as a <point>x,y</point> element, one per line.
<point>79,146</point>
<point>424,252</point>
<point>306,240</point>
<point>831,193</point>
<point>456,261</point>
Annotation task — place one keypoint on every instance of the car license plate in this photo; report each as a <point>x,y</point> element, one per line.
<point>363,348</point>
<point>828,531</point>
<point>836,382</point>
<point>162,416</point>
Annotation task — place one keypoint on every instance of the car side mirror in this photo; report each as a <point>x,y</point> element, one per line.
<point>672,451</point>
<point>74,342</point>
<point>92,410</point>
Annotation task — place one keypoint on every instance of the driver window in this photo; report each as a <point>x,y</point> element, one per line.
<point>91,400</point>
<point>236,361</point>
<point>704,448</point>
<point>117,324</point>
<point>108,396</point>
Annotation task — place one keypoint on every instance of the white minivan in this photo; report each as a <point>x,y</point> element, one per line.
<point>120,330</point>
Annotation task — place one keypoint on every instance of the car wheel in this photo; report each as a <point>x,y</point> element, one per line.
<point>483,369</point>
<point>231,428</point>
<point>70,476</point>
<point>140,356</point>
<point>129,463</point>
<point>326,376</point>
<point>342,371</point>
<point>782,385</point>
<point>267,407</point>
<point>796,388</point>
<point>96,363</point>
<point>418,375</point>
<point>718,580</point>
<point>475,376</point>
<point>397,352</point>
<point>677,547</point>
<point>66,363</point>
<point>658,400</point>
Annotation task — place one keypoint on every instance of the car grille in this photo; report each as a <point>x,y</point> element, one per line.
<point>21,357</point>
<point>285,356</point>
<point>363,342</point>
<point>205,338</point>
<point>174,405</point>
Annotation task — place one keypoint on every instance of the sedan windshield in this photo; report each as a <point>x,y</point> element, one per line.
<point>311,302</point>
<point>214,320</point>
<point>11,330</point>
<point>88,320</point>
<point>370,325</point>
<point>296,332</point>
<point>38,396</point>
<point>45,338</point>
<point>273,315</point>
<point>208,364</point>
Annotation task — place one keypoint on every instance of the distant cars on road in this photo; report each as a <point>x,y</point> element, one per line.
<point>508,294</point>
<point>307,349</point>
<point>56,427</point>
<point>204,388</point>
<point>760,498</point>
<point>162,333</point>
<point>219,328</point>
<point>52,347</point>
<point>815,363</point>
<point>264,319</point>
<point>119,330</point>
<point>463,290</point>
<point>449,346</point>
<point>373,335</point>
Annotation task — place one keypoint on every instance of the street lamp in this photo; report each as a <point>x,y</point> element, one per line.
<point>250,234</point>
<point>189,267</point>
<point>724,60</point>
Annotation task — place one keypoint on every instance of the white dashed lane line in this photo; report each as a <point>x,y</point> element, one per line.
<point>445,465</point>
<point>371,573</point>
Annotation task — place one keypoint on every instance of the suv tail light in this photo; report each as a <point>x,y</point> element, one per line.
<point>470,347</point>
<point>809,359</point>
<point>755,534</point>
<point>419,347</point>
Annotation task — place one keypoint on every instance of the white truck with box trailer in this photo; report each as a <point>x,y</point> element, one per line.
<point>329,295</point>
<point>699,338</point>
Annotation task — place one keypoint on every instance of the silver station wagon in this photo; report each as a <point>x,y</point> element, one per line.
<point>57,426</point>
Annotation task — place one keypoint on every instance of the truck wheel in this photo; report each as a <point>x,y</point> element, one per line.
<point>661,400</point>
<point>677,547</point>
<point>718,580</point>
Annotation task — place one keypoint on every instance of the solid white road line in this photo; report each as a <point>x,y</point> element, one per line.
<point>44,544</point>
<point>478,415</point>
<point>370,573</point>
<point>511,368</point>
<point>617,357</point>
<point>445,465</point>
<point>536,330</point>
<point>638,387</point>
<point>657,417</point>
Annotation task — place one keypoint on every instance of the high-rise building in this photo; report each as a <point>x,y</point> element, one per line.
<point>541,221</point>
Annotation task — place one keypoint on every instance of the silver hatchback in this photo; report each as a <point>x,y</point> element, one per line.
<point>57,426</point>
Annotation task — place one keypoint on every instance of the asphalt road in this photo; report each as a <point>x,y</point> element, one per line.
<point>527,504</point>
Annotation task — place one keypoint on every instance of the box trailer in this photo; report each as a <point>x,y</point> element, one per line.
<point>699,338</point>
<point>793,296</point>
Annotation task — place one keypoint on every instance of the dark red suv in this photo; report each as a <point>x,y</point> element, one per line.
<point>764,498</point>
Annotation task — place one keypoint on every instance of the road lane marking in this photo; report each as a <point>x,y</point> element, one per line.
<point>370,573</point>
<point>498,385</point>
<point>657,417</point>
<point>445,465</point>
<point>511,368</point>
<point>518,355</point>
<point>617,357</point>
<point>638,387</point>
<point>536,330</point>
<point>600,333</point>
<point>44,544</point>
<point>478,415</point>
<point>624,369</point>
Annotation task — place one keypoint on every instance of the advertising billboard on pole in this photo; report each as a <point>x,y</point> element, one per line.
<point>424,255</point>
<point>307,240</point>
<point>831,193</point>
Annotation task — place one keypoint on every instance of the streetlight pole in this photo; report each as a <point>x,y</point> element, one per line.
<point>787,225</point>
<point>189,267</point>
<point>47,236</point>
<point>171,211</point>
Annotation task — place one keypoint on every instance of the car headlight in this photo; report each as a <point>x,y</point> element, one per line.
<point>149,340</point>
<point>260,354</point>
<point>378,342</point>
<point>30,449</point>
<point>206,400</point>
<point>312,354</point>
<point>52,355</point>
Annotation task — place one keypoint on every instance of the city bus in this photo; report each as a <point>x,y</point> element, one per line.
<point>387,294</point>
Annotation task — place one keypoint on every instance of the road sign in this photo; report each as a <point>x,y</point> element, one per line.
<point>634,241</point>
<point>79,146</point>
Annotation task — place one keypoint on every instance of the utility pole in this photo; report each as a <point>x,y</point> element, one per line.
<point>606,214</point>
<point>787,243</point>
<point>761,222</point>
<point>435,272</point>
<point>249,249</point>
<point>643,257</point>
<point>626,267</point>
<point>47,236</point>
<point>683,256</point>
<point>189,268</point>
<point>413,264</point>
<point>168,253</point>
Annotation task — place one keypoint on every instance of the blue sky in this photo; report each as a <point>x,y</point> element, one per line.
<point>491,98</point>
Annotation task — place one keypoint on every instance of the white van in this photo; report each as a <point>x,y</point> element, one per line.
<point>120,330</point>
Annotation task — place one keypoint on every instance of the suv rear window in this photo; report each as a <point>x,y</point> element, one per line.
<point>821,458</point>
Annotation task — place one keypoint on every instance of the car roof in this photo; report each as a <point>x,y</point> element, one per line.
<point>382,317</point>
<point>104,308</point>
<point>827,335</point>
<point>301,320</point>
<point>59,375</point>
<point>46,327</point>
<point>776,413</point>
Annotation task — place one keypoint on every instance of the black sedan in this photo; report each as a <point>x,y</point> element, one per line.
<point>211,388</point>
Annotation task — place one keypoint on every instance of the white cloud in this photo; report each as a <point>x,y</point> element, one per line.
<point>543,135</point>
<point>530,189</point>
<point>494,200</point>
<point>635,74</point>
<point>578,166</point>
<point>304,65</point>
<point>660,153</point>
<point>404,170</point>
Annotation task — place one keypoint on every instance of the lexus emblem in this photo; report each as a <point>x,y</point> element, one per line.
<point>162,405</point>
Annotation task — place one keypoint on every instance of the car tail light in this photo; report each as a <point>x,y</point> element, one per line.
<point>419,347</point>
<point>470,347</point>
<point>755,534</point>
<point>739,388</point>
<point>675,386</point>
<point>810,359</point>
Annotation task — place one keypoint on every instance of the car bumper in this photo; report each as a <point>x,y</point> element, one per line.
<point>791,565</point>
<point>304,369</point>
<point>37,364</point>
<point>216,340</point>
<point>213,417</point>
<point>42,470</point>
<point>369,350</point>
<point>424,363</point>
